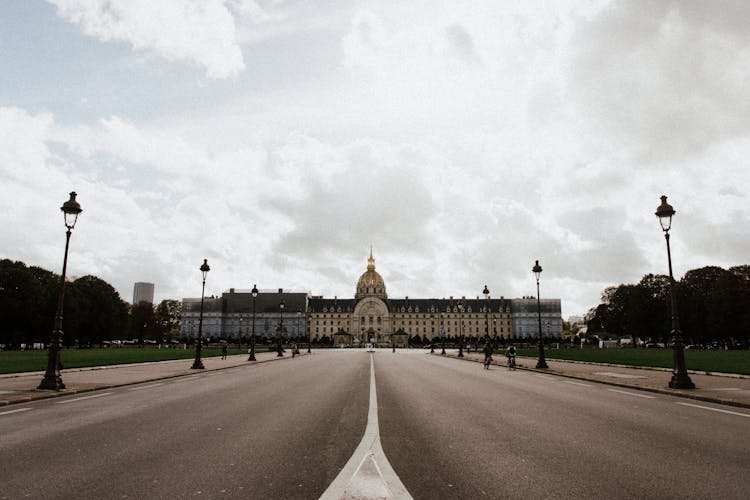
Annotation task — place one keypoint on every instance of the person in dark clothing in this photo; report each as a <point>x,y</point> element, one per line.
<point>488,354</point>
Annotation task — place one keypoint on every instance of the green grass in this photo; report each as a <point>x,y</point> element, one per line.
<point>710,361</point>
<point>29,361</point>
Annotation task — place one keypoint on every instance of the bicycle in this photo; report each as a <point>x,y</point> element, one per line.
<point>511,362</point>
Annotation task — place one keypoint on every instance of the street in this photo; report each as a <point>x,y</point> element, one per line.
<point>450,429</point>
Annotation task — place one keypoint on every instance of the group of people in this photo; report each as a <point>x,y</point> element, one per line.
<point>510,353</point>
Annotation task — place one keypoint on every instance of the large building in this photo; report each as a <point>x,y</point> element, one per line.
<point>143,292</point>
<point>371,317</point>
<point>231,315</point>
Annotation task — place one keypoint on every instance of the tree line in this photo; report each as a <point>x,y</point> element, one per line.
<point>713,306</point>
<point>93,310</point>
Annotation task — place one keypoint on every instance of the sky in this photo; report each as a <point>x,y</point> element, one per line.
<point>463,141</point>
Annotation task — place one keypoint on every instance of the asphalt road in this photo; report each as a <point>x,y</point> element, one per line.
<point>284,429</point>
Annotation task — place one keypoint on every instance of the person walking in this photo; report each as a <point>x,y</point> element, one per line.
<point>224,350</point>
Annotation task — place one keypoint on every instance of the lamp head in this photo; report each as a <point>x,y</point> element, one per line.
<point>205,269</point>
<point>537,270</point>
<point>486,292</point>
<point>254,291</point>
<point>665,212</point>
<point>70,210</point>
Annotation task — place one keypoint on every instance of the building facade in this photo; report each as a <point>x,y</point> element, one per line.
<point>369,317</point>
<point>231,315</point>
<point>143,292</point>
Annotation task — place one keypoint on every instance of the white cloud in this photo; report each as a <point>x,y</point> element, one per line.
<point>197,31</point>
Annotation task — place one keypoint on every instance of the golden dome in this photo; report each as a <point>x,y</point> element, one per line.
<point>371,284</point>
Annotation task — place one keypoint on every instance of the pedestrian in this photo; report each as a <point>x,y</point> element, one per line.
<point>224,349</point>
<point>488,349</point>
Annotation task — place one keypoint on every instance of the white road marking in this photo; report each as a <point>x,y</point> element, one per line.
<point>14,411</point>
<point>546,377</point>
<point>746,415</point>
<point>632,394</point>
<point>80,399</point>
<point>577,383</point>
<point>145,386</point>
<point>368,474</point>
<point>618,375</point>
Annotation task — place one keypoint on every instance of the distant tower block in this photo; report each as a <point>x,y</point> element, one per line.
<point>143,292</point>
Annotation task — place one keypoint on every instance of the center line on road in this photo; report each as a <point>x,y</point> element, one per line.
<point>632,394</point>
<point>85,397</point>
<point>145,386</point>
<point>546,377</point>
<point>577,383</point>
<point>368,474</point>
<point>14,411</point>
<point>746,415</point>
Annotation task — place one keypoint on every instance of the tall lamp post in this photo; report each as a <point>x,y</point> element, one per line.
<point>486,293</point>
<point>279,351</point>
<point>254,293</point>
<point>432,334</point>
<point>52,379</point>
<point>309,332</point>
<point>442,333</point>
<point>198,363</point>
<point>541,362</point>
<point>461,331</point>
<point>680,377</point>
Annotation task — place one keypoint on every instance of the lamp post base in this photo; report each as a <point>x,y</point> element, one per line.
<point>197,365</point>
<point>542,364</point>
<point>52,383</point>
<point>681,381</point>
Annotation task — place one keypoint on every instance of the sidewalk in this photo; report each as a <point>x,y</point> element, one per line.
<point>720,388</point>
<point>22,387</point>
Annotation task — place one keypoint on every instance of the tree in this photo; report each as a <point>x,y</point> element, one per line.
<point>94,312</point>
<point>142,321</point>
<point>28,299</point>
<point>168,317</point>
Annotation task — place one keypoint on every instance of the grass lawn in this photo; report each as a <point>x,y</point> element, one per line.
<point>29,361</point>
<point>702,360</point>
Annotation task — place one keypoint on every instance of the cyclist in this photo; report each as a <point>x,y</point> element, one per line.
<point>510,352</point>
<point>488,349</point>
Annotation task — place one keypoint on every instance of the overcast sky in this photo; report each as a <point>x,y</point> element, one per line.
<point>462,140</point>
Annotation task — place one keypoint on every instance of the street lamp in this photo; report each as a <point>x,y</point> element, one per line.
<point>279,352</point>
<point>309,332</point>
<point>486,293</point>
<point>461,330</point>
<point>254,293</point>
<point>198,363</point>
<point>541,363</point>
<point>442,333</point>
<point>52,379</point>
<point>432,334</point>
<point>680,377</point>
<point>239,335</point>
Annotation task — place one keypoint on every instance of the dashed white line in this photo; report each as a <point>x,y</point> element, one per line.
<point>746,415</point>
<point>546,377</point>
<point>577,383</point>
<point>145,386</point>
<point>14,411</point>
<point>80,399</point>
<point>632,394</point>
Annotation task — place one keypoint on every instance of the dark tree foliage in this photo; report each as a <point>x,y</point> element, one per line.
<point>143,323</point>
<point>28,299</point>
<point>168,318</point>
<point>713,306</point>
<point>94,312</point>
